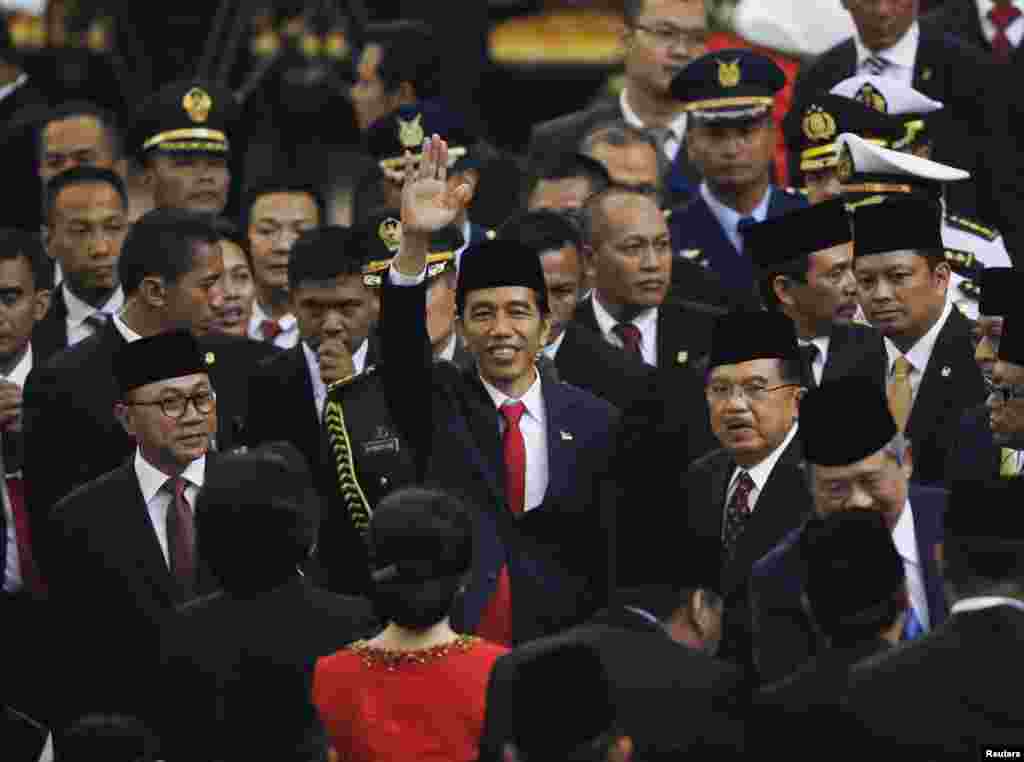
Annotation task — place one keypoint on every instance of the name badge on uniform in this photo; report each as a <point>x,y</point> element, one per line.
<point>566,436</point>
<point>384,442</point>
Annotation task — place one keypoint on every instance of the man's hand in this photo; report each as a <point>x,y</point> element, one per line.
<point>10,406</point>
<point>427,203</point>
<point>335,361</point>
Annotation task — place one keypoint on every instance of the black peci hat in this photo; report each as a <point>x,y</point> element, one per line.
<point>896,225</point>
<point>744,335</point>
<point>499,263</point>
<point>157,358</point>
<point>778,241</point>
<point>844,421</point>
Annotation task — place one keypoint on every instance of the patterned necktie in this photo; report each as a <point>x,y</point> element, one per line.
<point>899,392</point>
<point>96,321</point>
<point>270,330</point>
<point>1002,15</point>
<point>808,354</point>
<point>912,628</point>
<point>22,536</point>
<point>877,65</point>
<point>737,512</point>
<point>632,339</point>
<point>181,537</point>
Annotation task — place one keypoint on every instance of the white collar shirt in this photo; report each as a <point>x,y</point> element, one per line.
<point>646,321</point>
<point>448,353</point>
<point>677,127</point>
<point>7,90</point>
<point>551,350</point>
<point>158,500</point>
<point>761,472</point>
<point>78,311</point>
<point>319,387</point>
<point>534,426</point>
<point>919,354</point>
<point>1014,32</point>
<point>905,538</point>
<point>122,328</point>
<point>729,219</point>
<point>289,325</point>
<point>900,56</point>
<point>982,602</point>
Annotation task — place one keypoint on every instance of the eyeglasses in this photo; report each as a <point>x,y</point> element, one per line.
<point>752,392</point>
<point>671,37</point>
<point>175,407</point>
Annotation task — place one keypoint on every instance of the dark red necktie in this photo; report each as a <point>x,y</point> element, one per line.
<point>1002,14</point>
<point>632,339</point>
<point>270,330</point>
<point>181,537</point>
<point>496,621</point>
<point>29,572</point>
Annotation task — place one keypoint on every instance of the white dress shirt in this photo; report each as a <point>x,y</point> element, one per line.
<point>905,539</point>
<point>289,325</point>
<point>319,387</point>
<point>1014,32</point>
<point>7,90</point>
<point>122,328</point>
<point>78,311</point>
<point>981,602</point>
<point>900,56</point>
<point>646,321</point>
<point>677,127</point>
<point>761,472</point>
<point>158,500</point>
<point>818,366</point>
<point>534,427</point>
<point>12,562</point>
<point>729,219</point>
<point>448,353</point>
<point>919,354</point>
<point>551,350</point>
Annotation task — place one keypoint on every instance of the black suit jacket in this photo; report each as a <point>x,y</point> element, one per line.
<point>240,670</point>
<point>974,132</point>
<point>19,112</point>
<point>112,588</point>
<point>586,360</point>
<point>855,349</point>
<point>50,335</point>
<point>937,698</point>
<point>973,454</point>
<point>671,700</point>
<point>960,19</point>
<point>952,384</point>
<point>71,435</point>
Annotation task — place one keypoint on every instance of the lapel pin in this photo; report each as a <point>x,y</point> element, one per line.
<point>682,357</point>
<point>210,358</point>
<point>946,370</point>
<point>927,73</point>
<point>566,436</point>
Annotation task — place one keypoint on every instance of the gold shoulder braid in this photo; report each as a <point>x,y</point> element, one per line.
<point>341,446</point>
<point>392,660</point>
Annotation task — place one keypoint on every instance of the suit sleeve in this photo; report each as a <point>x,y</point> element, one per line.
<point>781,633</point>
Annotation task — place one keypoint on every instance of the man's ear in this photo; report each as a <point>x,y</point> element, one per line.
<point>41,304</point>
<point>152,291</point>
<point>589,262</point>
<point>782,286</point>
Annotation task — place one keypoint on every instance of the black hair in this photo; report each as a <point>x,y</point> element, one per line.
<point>163,242</point>
<point>110,737</point>
<point>78,109</point>
<point>542,230</point>
<point>884,617</point>
<point>229,231</point>
<point>82,176</point>
<point>619,134</point>
<point>420,525</point>
<point>20,243</point>
<point>256,191</point>
<point>323,254</point>
<point>796,270</point>
<point>934,257</point>
<point>409,53</point>
<point>566,167</point>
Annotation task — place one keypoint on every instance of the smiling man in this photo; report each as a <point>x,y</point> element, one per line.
<point>902,277</point>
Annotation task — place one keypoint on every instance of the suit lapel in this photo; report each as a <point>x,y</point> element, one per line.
<point>585,316</point>
<point>482,419</point>
<point>561,439</point>
<point>929,74</point>
<point>721,470</point>
<point>51,333</point>
<point>928,534</point>
<point>941,377</point>
<point>834,359</point>
<point>145,548</point>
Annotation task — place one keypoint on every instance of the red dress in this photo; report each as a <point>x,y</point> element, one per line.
<point>379,706</point>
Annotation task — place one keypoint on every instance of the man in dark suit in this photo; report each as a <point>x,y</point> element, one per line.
<point>857,595</point>
<point>902,278</point>
<point>857,459</point>
<point>256,519</point>
<point>751,492</point>
<point>935,698</point>
<point>975,134</point>
<point>530,453</point>
<point>171,267</point>
<point>124,544</point>
<point>991,25</point>
<point>579,354</point>
<point>662,36</point>
<point>87,220</point>
<point>728,96</point>
<point>806,261</point>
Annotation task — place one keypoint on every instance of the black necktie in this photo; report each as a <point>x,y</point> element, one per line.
<point>808,354</point>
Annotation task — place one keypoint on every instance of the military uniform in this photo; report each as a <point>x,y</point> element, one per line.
<point>970,248</point>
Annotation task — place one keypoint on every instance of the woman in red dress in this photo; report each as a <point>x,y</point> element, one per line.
<point>416,691</point>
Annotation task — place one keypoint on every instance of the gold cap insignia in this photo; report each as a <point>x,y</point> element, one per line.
<point>818,124</point>
<point>390,232</point>
<point>871,97</point>
<point>410,133</point>
<point>729,73</point>
<point>197,104</point>
<point>844,169</point>
<point>210,358</point>
<point>682,357</point>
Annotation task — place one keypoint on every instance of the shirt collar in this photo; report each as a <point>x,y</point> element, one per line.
<point>151,478</point>
<point>902,53</point>
<point>122,328</point>
<point>78,310</point>
<point>644,321</point>
<point>729,218</point>
<point>979,602</point>
<point>285,322</point>
<point>922,349</point>
<point>6,90</point>
<point>533,399</point>
<point>629,116</point>
<point>20,371</point>
<point>904,536</point>
<point>551,350</point>
<point>448,353</point>
<point>760,473</point>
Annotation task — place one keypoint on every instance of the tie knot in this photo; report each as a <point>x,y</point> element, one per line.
<point>176,486</point>
<point>513,411</point>
<point>97,320</point>
<point>630,335</point>
<point>270,329</point>
<point>901,368</point>
<point>745,224</point>
<point>877,64</point>
<point>1002,14</point>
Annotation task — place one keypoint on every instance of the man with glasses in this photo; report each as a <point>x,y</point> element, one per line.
<point>751,492</point>
<point>857,459</point>
<point>661,37</point>
<point>125,567</point>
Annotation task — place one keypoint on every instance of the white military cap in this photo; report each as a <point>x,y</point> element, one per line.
<point>868,168</point>
<point>894,98</point>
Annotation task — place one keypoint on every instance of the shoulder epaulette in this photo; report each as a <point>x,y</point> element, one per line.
<point>963,262</point>
<point>970,226</point>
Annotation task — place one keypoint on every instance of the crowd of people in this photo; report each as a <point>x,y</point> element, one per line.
<point>675,462</point>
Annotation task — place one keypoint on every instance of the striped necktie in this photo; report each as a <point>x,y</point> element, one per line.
<point>876,65</point>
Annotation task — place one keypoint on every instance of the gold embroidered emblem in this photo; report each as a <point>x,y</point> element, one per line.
<point>682,357</point>
<point>729,73</point>
<point>844,169</point>
<point>818,124</point>
<point>410,132</point>
<point>870,96</point>
<point>197,104</point>
<point>210,358</point>
<point>390,232</point>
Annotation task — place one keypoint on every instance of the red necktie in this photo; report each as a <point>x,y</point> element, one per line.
<point>181,537</point>
<point>1002,14</point>
<point>270,330</point>
<point>496,621</point>
<point>29,573</point>
<point>631,338</point>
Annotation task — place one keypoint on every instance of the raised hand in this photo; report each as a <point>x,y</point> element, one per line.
<point>428,204</point>
<point>335,361</point>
